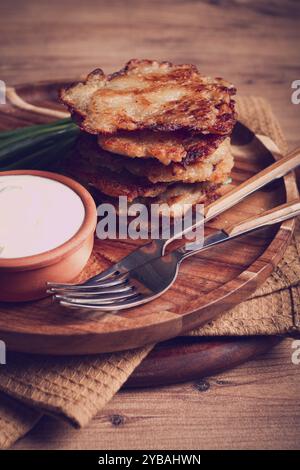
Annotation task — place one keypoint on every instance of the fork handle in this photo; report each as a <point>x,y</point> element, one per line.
<point>273,216</point>
<point>268,174</point>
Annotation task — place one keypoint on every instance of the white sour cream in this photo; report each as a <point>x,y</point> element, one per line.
<point>36,215</point>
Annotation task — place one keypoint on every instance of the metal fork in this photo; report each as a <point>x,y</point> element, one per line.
<point>147,282</point>
<point>242,137</point>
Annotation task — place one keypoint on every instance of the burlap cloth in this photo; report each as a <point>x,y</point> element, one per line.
<point>76,388</point>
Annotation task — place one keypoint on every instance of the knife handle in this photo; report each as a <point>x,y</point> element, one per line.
<point>268,174</point>
<point>273,216</point>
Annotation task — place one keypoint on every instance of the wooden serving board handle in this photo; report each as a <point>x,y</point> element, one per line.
<point>190,358</point>
<point>268,174</point>
<point>273,216</point>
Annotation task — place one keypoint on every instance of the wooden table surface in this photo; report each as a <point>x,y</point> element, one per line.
<point>255,45</point>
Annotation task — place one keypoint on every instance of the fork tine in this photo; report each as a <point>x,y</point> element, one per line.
<point>103,278</point>
<point>96,297</point>
<point>55,286</point>
<point>110,306</point>
<point>94,290</point>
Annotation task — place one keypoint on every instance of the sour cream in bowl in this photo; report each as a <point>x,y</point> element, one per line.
<point>47,222</point>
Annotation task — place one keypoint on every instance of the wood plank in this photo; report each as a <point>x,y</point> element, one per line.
<point>255,406</point>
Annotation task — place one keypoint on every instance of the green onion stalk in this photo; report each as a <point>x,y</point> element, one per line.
<point>41,146</point>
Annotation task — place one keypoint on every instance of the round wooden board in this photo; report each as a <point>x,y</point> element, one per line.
<point>185,359</point>
<point>208,284</point>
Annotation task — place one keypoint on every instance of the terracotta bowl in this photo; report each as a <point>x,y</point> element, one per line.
<point>25,278</point>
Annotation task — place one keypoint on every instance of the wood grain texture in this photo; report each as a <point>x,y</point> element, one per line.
<point>254,44</point>
<point>254,406</point>
<point>208,284</point>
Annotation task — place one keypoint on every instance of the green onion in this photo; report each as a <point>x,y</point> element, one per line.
<point>36,127</point>
<point>37,146</point>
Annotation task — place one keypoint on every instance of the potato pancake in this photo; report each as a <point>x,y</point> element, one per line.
<point>147,94</point>
<point>167,147</point>
<point>210,168</point>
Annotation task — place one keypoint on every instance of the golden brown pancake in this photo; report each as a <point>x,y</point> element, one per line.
<point>123,183</point>
<point>178,197</point>
<point>152,95</point>
<point>111,183</point>
<point>167,147</point>
<point>211,168</point>
<point>114,183</point>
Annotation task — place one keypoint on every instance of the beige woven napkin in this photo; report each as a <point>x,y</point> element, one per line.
<point>76,388</point>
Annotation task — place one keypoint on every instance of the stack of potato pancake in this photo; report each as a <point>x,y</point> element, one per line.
<point>154,132</point>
